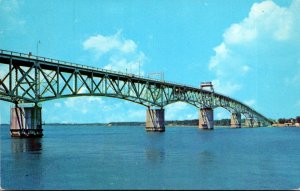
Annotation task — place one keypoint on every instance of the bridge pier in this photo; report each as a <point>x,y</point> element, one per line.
<point>206,118</point>
<point>249,122</point>
<point>235,121</point>
<point>155,120</point>
<point>257,124</point>
<point>26,121</point>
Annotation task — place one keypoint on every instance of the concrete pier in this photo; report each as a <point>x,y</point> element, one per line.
<point>235,120</point>
<point>249,122</point>
<point>257,124</point>
<point>206,118</point>
<point>26,122</point>
<point>155,120</point>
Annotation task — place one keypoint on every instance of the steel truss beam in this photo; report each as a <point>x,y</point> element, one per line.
<point>37,79</point>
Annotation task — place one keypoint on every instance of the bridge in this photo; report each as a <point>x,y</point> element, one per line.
<point>25,78</point>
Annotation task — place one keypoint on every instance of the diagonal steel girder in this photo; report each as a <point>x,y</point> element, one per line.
<point>33,79</point>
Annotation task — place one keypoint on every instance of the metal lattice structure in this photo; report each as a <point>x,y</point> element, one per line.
<point>31,79</point>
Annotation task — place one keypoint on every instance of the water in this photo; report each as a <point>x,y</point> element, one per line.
<point>83,157</point>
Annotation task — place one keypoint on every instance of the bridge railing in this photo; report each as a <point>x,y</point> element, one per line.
<point>31,56</point>
<point>23,55</point>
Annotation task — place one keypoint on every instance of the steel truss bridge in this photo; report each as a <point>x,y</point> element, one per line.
<point>25,78</point>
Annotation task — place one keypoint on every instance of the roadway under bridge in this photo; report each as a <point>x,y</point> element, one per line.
<point>25,78</point>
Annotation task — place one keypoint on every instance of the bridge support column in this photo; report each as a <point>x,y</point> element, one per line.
<point>26,122</point>
<point>235,121</point>
<point>206,118</point>
<point>257,124</point>
<point>249,122</point>
<point>155,120</point>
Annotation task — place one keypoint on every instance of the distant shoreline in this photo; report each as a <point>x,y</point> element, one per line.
<point>169,123</point>
<point>137,124</point>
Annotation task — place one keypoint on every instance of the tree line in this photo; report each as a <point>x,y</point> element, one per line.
<point>289,120</point>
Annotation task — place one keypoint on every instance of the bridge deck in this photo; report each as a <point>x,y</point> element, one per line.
<point>142,90</point>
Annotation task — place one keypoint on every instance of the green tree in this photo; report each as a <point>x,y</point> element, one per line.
<point>281,120</point>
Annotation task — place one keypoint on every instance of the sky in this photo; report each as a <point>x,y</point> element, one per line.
<point>249,49</point>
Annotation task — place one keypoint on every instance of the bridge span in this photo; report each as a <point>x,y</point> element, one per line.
<point>25,78</point>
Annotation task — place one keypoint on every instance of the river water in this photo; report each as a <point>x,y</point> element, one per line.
<point>98,157</point>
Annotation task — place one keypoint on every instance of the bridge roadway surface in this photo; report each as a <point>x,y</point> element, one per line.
<point>26,78</point>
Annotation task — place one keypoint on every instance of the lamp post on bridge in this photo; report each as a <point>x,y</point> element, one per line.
<point>37,47</point>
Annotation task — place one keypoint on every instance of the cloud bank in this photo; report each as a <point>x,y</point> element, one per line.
<point>121,54</point>
<point>270,34</point>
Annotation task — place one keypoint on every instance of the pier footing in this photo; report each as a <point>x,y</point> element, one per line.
<point>235,121</point>
<point>206,119</point>
<point>257,124</point>
<point>155,120</point>
<point>249,122</point>
<point>26,122</point>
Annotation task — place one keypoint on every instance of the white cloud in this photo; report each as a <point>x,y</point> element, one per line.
<point>128,46</point>
<point>121,54</point>
<point>266,19</point>
<point>130,66</point>
<point>81,102</point>
<point>221,115</point>
<point>90,104</point>
<point>250,102</point>
<point>9,6</point>
<point>137,114</point>
<point>95,99</point>
<point>180,111</point>
<point>70,102</point>
<point>227,88</point>
<point>10,16</point>
<point>239,34</point>
<point>256,37</point>
<point>221,54</point>
<point>102,44</point>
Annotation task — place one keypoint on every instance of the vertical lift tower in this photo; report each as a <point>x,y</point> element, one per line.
<point>206,114</point>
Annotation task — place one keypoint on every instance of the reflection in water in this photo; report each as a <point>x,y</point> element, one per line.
<point>26,145</point>
<point>155,151</point>
<point>27,168</point>
<point>206,163</point>
<point>155,155</point>
<point>206,157</point>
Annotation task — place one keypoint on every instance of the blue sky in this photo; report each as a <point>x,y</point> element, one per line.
<point>250,50</point>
